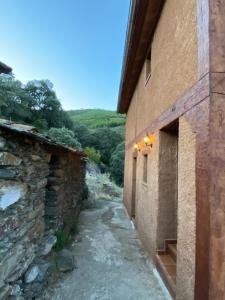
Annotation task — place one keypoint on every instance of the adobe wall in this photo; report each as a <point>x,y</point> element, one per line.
<point>29,215</point>
<point>174,66</point>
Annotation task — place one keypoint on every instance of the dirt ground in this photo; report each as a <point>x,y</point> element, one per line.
<point>110,262</point>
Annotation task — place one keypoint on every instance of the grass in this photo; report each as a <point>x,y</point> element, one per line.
<point>63,237</point>
<point>95,118</point>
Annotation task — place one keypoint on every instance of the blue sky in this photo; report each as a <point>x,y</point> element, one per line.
<point>77,44</point>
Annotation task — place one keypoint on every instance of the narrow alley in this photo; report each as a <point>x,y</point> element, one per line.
<point>110,264</point>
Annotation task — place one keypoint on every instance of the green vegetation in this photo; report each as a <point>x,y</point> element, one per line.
<point>117,163</point>
<point>96,118</point>
<point>103,140</point>
<point>64,136</point>
<point>62,238</point>
<point>97,131</point>
<point>93,154</point>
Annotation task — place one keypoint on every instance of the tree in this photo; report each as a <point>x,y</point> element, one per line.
<point>14,101</point>
<point>117,164</point>
<point>83,134</point>
<point>93,154</point>
<point>64,136</point>
<point>45,104</point>
<point>106,140</point>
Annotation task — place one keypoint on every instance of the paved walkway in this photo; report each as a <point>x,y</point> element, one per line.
<point>110,263</point>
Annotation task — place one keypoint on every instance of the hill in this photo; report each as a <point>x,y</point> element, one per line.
<point>95,118</point>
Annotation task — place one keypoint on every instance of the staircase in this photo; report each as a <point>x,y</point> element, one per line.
<point>166,265</point>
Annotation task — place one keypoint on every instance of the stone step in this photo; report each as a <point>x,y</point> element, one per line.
<point>172,251</point>
<point>166,266</point>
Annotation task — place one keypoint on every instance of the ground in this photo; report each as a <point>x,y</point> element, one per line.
<point>111,264</point>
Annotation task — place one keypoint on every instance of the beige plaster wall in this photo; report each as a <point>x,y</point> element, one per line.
<point>128,180</point>
<point>147,199</point>
<point>131,119</point>
<point>186,212</point>
<point>174,66</point>
<point>174,71</point>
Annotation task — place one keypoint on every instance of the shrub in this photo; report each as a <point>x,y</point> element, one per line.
<point>64,136</point>
<point>117,164</point>
<point>93,154</point>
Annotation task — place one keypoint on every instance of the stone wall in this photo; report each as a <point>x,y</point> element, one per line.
<point>41,189</point>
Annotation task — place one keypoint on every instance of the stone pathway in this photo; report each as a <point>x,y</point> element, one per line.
<point>110,263</point>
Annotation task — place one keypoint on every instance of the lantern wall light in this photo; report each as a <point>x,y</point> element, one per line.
<point>137,147</point>
<point>148,141</point>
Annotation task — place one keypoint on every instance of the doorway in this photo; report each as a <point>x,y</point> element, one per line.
<point>168,184</point>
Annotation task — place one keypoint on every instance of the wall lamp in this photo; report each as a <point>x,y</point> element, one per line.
<point>149,140</point>
<point>137,147</point>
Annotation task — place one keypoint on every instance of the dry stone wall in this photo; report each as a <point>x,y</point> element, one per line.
<point>40,192</point>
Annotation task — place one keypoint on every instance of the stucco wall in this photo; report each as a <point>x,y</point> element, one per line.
<point>174,71</point>
<point>131,120</point>
<point>186,212</point>
<point>128,171</point>
<point>147,199</point>
<point>174,65</point>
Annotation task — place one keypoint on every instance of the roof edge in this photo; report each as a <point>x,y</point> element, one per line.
<point>143,15</point>
<point>4,68</point>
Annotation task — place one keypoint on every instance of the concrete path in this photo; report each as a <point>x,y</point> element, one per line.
<point>110,263</point>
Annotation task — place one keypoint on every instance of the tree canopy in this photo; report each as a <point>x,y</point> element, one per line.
<point>33,103</point>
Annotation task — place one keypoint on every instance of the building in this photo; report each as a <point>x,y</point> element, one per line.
<point>42,185</point>
<point>173,92</point>
<point>5,69</point>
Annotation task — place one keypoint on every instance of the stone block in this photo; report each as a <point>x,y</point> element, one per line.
<point>48,157</point>
<point>2,143</point>
<point>8,159</point>
<point>5,291</point>
<point>8,264</point>
<point>51,211</point>
<point>7,174</point>
<point>59,173</point>
<point>22,264</point>
<point>48,244</point>
<point>31,274</point>
<point>35,157</point>
<point>65,261</point>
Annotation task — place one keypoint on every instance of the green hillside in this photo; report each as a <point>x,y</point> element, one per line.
<point>95,118</point>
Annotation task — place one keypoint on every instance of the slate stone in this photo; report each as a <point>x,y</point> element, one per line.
<point>65,261</point>
<point>2,143</point>
<point>31,274</point>
<point>43,271</point>
<point>8,159</point>
<point>48,244</point>
<point>7,174</point>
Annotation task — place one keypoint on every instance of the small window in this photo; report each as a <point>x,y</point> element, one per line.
<point>145,169</point>
<point>148,67</point>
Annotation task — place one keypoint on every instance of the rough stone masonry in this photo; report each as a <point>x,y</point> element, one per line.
<point>41,189</point>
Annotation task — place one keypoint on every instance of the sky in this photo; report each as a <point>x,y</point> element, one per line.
<point>77,44</point>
